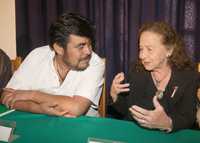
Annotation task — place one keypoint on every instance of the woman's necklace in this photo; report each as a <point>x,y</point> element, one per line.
<point>161,84</point>
<point>159,94</point>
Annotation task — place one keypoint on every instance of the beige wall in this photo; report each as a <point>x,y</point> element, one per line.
<point>7,27</point>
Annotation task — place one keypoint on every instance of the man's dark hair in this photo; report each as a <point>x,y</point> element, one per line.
<point>68,24</point>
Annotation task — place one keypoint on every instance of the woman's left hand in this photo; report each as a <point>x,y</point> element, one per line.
<point>157,118</point>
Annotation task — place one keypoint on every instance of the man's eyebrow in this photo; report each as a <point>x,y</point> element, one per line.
<point>83,43</point>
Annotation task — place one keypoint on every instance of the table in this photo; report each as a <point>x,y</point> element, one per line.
<point>51,129</point>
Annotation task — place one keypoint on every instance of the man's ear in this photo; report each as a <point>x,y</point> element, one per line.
<point>58,49</point>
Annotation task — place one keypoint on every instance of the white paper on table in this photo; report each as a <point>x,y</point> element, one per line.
<point>5,133</point>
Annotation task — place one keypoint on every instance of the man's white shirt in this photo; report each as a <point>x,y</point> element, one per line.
<point>37,72</point>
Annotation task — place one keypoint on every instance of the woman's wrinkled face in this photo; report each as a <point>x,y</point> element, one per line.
<point>152,53</point>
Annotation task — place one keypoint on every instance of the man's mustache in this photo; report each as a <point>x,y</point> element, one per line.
<point>86,58</point>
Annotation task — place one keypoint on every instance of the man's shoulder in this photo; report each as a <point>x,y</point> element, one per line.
<point>96,60</point>
<point>41,50</point>
<point>38,55</point>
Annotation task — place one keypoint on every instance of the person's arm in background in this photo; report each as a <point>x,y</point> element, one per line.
<point>5,69</point>
<point>198,95</point>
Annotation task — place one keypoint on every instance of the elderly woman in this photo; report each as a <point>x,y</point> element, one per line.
<point>161,93</point>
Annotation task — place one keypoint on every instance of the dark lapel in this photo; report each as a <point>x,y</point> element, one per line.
<point>174,89</point>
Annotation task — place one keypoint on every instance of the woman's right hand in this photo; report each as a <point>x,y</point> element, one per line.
<point>118,87</point>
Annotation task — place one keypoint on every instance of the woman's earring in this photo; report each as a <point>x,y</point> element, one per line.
<point>168,55</point>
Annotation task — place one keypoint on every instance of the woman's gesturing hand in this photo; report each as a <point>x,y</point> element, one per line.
<point>118,87</point>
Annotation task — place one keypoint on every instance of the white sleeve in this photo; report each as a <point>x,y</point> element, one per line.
<point>91,83</point>
<point>25,74</point>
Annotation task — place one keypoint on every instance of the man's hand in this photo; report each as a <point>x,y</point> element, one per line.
<point>156,118</point>
<point>117,86</point>
<point>10,96</point>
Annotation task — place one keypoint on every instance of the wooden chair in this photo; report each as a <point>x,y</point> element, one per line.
<point>198,67</point>
<point>16,63</point>
<point>102,101</point>
<point>198,95</point>
<point>198,109</point>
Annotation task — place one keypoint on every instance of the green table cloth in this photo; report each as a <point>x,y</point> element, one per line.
<point>39,128</point>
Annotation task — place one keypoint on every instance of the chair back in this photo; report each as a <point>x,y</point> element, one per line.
<point>198,106</point>
<point>102,101</point>
<point>16,63</point>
